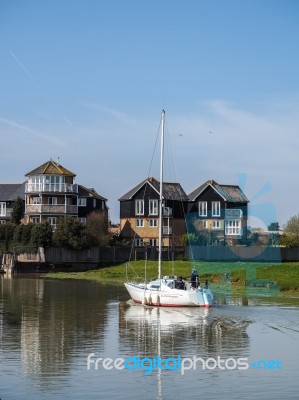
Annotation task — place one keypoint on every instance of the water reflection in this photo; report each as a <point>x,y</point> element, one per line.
<point>47,321</point>
<point>48,328</point>
<point>188,331</point>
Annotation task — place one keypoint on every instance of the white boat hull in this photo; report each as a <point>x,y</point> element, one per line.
<point>170,297</point>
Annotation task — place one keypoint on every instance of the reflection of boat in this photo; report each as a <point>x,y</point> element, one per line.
<point>164,291</point>
<point>182,331</point>
<point>167,317</point>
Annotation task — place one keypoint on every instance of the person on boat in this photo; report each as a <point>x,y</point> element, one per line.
<point>180,284</point>
<point>194,279</point>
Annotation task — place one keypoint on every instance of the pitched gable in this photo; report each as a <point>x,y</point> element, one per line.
<point>51,168</point>
<point>230,193</point>
<point>171,191</point>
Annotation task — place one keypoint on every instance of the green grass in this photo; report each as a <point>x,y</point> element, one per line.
<point>285,275</point>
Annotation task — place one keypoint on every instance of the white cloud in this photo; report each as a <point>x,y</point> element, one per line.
<point>118,115</point>
<point>37,134</point>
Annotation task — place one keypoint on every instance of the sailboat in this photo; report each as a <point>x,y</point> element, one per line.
<point>165,291</point>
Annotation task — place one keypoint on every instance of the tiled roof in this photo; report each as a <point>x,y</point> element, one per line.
<point>51,168</point>
<point>171,191</point>
<point>11,191</point>
<point>231,193</point>
<point>85,192</point>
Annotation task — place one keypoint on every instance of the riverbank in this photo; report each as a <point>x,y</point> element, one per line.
<point>285,276</point>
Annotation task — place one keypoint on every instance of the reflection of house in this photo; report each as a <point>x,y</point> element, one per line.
<point>50,194</point>
<point>139,213</point>
<point>219,209</point>
<point>8,195</point>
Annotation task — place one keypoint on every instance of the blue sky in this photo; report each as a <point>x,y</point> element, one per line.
<point>86,81</point>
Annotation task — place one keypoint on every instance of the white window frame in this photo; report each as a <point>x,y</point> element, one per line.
<point>216,224</point>
<point>139,223</point>
<point>233,227</point>
<point>138,242</point>
<point>36,200</point>
<point>153,207</point>
<point>139,207</point>
<point>216,210</point>
<point>3,209</point>
<point>153,223</point>
<point>202,208</point>
<point>154,242</point>
<point>35,220</point>
<point>52,221</point>
<point>52,201</point>
<point>81,201</point>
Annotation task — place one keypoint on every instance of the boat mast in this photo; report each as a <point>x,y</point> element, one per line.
<point>161,194</point>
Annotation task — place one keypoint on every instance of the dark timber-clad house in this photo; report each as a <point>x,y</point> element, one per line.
<point>219,210</point>
<point>8,195</point>
<point>51,194</point>
<point>139,213</point>
<point>89,200</point>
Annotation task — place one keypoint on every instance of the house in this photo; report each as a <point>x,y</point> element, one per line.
<point>51,194</point>
<point>89,200</point>
<point>219,211</point>
<point>139,213</point>
<point>8,195</point>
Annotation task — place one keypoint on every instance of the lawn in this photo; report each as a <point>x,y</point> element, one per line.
<point>284,275</point>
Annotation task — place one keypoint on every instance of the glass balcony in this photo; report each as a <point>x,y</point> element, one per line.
<point>51,188</point>
<point>167,230</point>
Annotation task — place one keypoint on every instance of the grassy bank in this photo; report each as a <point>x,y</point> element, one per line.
<point>285,275</point>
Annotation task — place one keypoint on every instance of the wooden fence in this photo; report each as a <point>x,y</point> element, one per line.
<point>97,256</point>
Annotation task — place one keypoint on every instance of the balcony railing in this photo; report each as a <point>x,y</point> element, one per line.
<point>51,209</point>
<point>233,213</point>
<point>167,230</point>
<point>51,188</point>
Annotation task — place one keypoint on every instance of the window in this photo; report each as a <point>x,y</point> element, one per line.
<point>202,209</point>
<point>81,201</point>
<point>167,211</point>
<point>52,200</point>
<point>35,220</point>
<point>233,227</point>
<point>215,208</point>
<point>153,207</point>
<point>138,242</point>
<point>139,223</point>
<point>139,207</point>
<point>36,200</point>
<point>94,203</point>
<point>154,242</point>
<point>216,224</point>
<point>204,223</point>
<point>82,221</point>
<point>3,209</point>
<point>153,223</point>
<point>52,222</point>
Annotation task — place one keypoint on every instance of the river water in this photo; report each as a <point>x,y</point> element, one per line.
<point>48,328</point>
